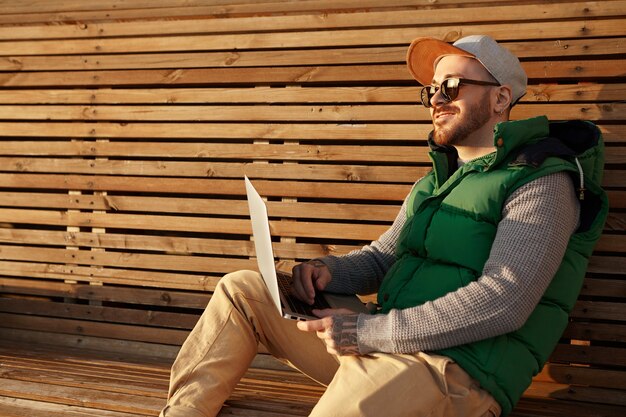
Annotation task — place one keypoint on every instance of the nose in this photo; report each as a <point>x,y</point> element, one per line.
<point>437,99</point>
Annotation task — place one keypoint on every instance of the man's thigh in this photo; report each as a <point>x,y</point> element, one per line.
<point>403,385</point>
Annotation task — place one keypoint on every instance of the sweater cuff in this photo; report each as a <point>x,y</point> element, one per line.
<point>374,333</point>
<point>333,264</point>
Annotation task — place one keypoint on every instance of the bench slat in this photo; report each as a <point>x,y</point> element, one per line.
<point>582,92</point>
<point>590,70</point>
<point>219,7</point>
<point>168,244</point>
<point>372,18</point>
<point>225,131</point>
<point>102,294</point>
<point>92,328</point>
<point>261,113</point>
<point>587,48</point>
<point>323,38</point>
<point>99,313</point>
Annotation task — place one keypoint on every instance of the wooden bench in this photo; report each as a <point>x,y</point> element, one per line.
<point>126,128</point>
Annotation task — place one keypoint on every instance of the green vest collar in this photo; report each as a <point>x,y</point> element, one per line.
<point>507,137</point>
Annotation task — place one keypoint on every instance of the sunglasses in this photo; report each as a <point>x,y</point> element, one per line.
<point>449,89</point>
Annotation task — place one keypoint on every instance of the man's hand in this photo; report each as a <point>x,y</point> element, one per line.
<point>309,277</point>
<point>337,328</point>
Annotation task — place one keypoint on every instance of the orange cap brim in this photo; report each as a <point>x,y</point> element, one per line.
<point>423,53</point>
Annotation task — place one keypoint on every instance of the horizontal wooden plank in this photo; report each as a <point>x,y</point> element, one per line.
<point>18,407</point>
<point>286,113</point>
<point>599,310</point>
<point>611,243</point>
<point>613,178</point>
<point>348,56</point>
<point>215,151</point>
<point>219,59</point>
<point>97,375</point>
<point>582,375</point>
<point>286,209</point>
<point>115,331</point>
<point>125,351</point>
<point>116,276</point>
<point>214,187</point>
<point>99,313</point>
<point>206,224</point>
<point>168,244</point>
<point>180,205</point>
<point>590,355</point>
<point>580,70</point>
<point>322,38</point>
<point>43,372</point>
<point>128,260</point>
<point>106,293</point>
<point>303,229</point>
<point>183,95</point>
<point>617,199</point>
<point>583,92</point>
<point>24,285</point>
<point>578,395</point>
<point>224,131</point>
<point>345,191</point>
<point>13,6</point>
<point>596,331</point>
<point>160,168</point>
<point>173,168</point>
<point>615,288</point>
<point>219,8</point>
<point>79,397</point>
<point>607,264</point>
<point>545,406</point>
<point>372,18</point>
<point>616,222</point>
<point>353,113</point>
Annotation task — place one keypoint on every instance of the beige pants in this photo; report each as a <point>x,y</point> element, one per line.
<point>241,314</point>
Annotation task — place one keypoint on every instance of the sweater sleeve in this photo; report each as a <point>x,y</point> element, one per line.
<point>361,271</point>
<point>531,239</point>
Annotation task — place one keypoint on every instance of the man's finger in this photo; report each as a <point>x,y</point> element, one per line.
<point>299,290</point>
<point>302,284</point>
<point>312,325</point>
<point>307,281</point>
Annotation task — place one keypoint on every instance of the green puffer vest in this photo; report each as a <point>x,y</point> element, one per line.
<point>453,215</point>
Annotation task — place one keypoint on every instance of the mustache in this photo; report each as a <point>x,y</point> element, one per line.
<point>444,109</point>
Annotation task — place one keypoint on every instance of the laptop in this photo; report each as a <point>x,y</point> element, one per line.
<point>278,282</point>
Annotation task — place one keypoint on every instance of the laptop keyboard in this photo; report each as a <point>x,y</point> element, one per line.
<point>284,283</point>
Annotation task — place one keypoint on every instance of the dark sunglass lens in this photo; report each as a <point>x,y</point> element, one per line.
<point>450,90</point>
<point>425,96</point>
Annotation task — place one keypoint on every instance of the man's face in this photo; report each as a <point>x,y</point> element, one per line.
<point>456,120</point>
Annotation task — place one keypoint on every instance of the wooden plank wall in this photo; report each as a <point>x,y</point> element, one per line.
<point>126,128</point>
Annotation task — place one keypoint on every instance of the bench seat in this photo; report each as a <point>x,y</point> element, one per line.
<point>51,381</point>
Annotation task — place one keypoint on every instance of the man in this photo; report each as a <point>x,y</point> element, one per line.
<point>475,278</point>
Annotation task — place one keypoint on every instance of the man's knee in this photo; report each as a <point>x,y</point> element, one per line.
<point>249,283</point>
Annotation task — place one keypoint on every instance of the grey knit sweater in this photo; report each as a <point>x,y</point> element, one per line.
<point>537,222</point>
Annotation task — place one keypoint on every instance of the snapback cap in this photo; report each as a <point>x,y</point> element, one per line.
<point>424,54</point>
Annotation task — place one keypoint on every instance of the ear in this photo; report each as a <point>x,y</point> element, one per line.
<point>502,99</point>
